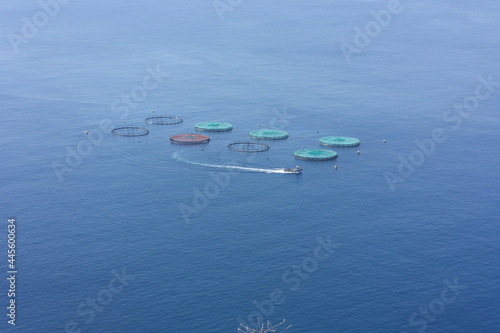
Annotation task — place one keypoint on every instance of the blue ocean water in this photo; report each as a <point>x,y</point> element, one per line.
<point>132,235</point>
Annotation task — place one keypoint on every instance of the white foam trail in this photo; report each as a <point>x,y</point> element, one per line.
<point>222,166</point>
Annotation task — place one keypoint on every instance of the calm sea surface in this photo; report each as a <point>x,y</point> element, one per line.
<point>138,235</point>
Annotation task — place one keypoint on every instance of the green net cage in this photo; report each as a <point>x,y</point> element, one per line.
<point>213,126</point>
<point>315,154</point>
<point>268,134</point>
<point>339,141</point>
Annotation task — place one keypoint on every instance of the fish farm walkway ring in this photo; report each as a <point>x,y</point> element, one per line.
<point>189,139</point>
<point>213,126</point>
<point>163,120</point>
<point>130,131</point>
<point>339,141</point>
<point>268,134</point>
<point>248,146</point>
<point>315,154</point>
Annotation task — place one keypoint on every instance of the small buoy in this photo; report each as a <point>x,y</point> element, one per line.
<point>385,141</point>
<point>202,149</point>
<point>124,121</point>
<point>357,152</point>
<point>153,111</point>
<point>335,167</point>
<point>86,132</point>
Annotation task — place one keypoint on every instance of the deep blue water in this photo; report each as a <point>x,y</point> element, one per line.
<point>116,205</point>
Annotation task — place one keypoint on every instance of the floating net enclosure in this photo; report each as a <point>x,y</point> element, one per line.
<point>339,141</point>
<point>213,126</point>
<point>315,154</point>
<point>189,139</point>
<point>130,131</point>
<point>248,146</point>
<point>163,120</point>
<point>268,134</point>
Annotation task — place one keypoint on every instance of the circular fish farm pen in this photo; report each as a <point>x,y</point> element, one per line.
<point>268,134</point>
<point>163,120</point>
<point>248,147</point>
<point>130,131</point>
<point>189,139</point>
<point>339,141</point>
<point>315,154</point>
<point>207,126</point>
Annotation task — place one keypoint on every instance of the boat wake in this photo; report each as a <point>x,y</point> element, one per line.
<point>223,166</point>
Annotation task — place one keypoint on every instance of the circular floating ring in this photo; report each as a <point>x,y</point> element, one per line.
<point>163,120</point>
<point>189,139</point>
<point>268,134</point>
<point>339,141</point>
<point>208,126</point>
<point>130,131</point>
<point>315,154</point>
<point>248,147</point>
